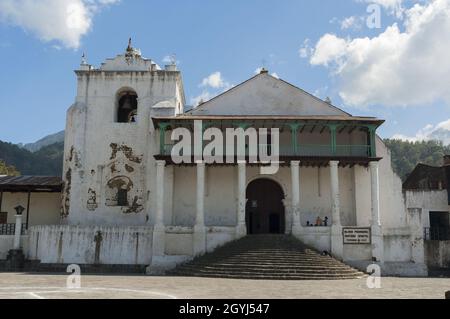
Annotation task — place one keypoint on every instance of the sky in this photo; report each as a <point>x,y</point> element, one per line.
<point>381,58</point>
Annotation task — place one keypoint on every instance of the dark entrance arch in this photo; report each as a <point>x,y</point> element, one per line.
<point>265,210</point>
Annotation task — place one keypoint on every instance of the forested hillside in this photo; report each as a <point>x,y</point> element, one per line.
<point>406,155</point>
<point>47,161</point>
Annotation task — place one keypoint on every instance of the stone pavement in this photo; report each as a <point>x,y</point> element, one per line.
<point>40,286</point>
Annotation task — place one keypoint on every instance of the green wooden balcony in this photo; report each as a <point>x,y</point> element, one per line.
<point>306,150</point>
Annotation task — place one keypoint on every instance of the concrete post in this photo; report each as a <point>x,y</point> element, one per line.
<point>241,229</point>
<point>18,232</point>
<point>295,176</point>
<point>377,232</point>
<point>200,230</point>
<point>337,241</point>
<point>159,231</point>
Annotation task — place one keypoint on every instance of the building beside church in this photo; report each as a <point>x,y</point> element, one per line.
<point>427,189</point>
<point>126,201</point>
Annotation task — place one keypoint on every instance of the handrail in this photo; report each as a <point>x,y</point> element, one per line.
<point>10,229</point>
<point>437,233</point>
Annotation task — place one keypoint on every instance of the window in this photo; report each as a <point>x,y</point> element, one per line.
<point>122,198</point>
<point>127,107</point>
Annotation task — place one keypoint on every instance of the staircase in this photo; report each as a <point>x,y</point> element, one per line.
<point>269,257</point>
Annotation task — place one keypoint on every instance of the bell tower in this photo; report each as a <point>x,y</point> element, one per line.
<point>110,139</point>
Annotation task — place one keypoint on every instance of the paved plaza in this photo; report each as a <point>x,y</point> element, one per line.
<point>40,286</point>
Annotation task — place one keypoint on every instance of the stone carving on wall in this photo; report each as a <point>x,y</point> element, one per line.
<point>92,200</point>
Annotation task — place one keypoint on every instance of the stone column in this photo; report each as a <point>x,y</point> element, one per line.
<point>377,232</point>
<point>241,229</point>
<point>18,232</point>
<point>337,245</point>
<point>159,231</point>
<point>295,176</point>
<point>199,229</point>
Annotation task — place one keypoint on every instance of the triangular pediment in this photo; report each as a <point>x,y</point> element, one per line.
<point>266,95</point>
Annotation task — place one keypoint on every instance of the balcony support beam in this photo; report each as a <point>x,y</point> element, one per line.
<point>162,137</point>
<point>294,136</point>
<point>372,135</point>
<point>333,129</point>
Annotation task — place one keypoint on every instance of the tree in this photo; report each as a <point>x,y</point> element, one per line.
<point>8,170</point>
<point>406,155</point>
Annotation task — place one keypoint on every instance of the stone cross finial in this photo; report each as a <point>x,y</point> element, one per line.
<point>83,59</point>
<point>129,48</point>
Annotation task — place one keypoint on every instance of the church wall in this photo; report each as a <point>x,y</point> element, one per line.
<point>315,195</point>
<point>392,205</point>
<point>221,196</point>
<point>184,205</point>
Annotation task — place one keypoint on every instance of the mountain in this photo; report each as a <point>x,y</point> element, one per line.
<point>48,161</point>
<point>46,141</point>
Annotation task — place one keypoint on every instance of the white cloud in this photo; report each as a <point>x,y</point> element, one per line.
<point>347,23</point>
<point>306,50</point>
<point>203,97</point>
<point>395,68</point>
<point>213,85</point>
<point>215,81</point>
<point>64,21</point>
<point>439,132</point>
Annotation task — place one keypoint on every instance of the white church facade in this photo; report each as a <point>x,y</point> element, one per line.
<point>127,201</point>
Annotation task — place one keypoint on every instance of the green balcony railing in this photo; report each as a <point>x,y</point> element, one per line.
<point>307,150</point>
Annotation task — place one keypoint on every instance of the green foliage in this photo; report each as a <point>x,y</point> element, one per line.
<point>8,170</point>
<point>406,155</point>
<point>46,162</point>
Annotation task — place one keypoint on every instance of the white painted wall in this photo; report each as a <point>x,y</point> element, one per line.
<point>428,201</point>
<point>90,158</point>
<point>45,208</point>
<point>72,244</point>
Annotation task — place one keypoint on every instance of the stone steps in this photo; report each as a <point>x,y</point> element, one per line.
<point>256,276</point>
<point>269,257</point>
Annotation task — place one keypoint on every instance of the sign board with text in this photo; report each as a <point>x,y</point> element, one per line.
<point>357,236</point>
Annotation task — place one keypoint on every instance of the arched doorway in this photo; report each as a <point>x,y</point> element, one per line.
<point>265,210</point>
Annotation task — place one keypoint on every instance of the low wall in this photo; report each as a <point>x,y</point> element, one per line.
<point>90,245</point>
<point>318,238</point>
<point>179,239</point>
<point>357,252</point>
<point>437,254</point>
<point>112,245</point>
<point>397,245</point>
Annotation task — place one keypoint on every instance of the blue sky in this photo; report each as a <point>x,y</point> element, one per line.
<point>38,55</point>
